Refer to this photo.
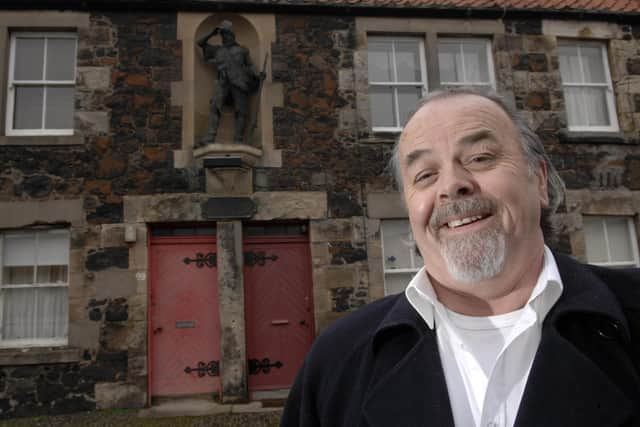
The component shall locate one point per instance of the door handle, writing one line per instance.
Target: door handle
(157, 330)
(280, 322)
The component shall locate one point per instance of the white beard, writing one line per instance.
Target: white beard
(475, 257)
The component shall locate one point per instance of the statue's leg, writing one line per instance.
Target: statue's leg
(241, 105)
(214, 115)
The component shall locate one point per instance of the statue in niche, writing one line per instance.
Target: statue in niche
(237, 80)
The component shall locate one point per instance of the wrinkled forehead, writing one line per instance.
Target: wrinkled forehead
(454, 117)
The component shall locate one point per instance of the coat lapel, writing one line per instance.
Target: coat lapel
(565, 386)
(408, 387)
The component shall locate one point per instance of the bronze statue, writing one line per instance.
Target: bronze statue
(237, 80)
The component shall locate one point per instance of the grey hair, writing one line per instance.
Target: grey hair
(532, 147)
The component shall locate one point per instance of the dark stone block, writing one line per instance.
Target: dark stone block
(636, 101)
(5, 406)
(345, 253)
(24, 372)
(633, 66)
(109, 213)
(535, 62)
(107, 257)
(70, 379)
(72, 404)
(29, 410)
(48, 392)
(35, 186)
(95, 314)
(340, 299)
(342, 205)
(117, 311)
(228, 207)
(524, 27)
(95, 373)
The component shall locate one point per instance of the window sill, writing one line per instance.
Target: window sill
(572, 137)
(39, 355)
(42, 140)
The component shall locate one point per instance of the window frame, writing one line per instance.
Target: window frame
(412, 255)
(32, 342)
(11, 84)
(607, 85)
(489, 55)
(631, 230)
(424, 83)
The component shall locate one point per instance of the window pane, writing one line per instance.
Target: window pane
(592, 63)
(52, 274)
(569, 64)
(28, 108)
(382, 106)
(380, 61)
(619, 239)
(29, 57)
(53, 247)
(396, 283)
(17, 276)
(408, 98)
(18, 319)
(398, 244)
(52, 315)
(408, 61)
(595, 106)
(576, 115)
(449, 61)
(19, 249)
(476, 66)
(61, 59)
(594, 239)
(59, 113)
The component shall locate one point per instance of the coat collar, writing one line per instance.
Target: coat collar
(565, 387)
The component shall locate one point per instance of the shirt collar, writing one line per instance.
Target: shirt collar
(544, 295)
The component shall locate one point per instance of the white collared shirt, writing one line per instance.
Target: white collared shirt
(486, 360)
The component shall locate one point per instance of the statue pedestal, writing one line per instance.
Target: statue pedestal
(228, 168)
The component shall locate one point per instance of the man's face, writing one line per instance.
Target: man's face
(474, 203)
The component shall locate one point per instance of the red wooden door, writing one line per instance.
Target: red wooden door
(184, 344)
(278, 309)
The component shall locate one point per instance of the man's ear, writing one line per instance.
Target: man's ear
(541, 176)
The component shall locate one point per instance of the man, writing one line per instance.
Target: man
(495, 330)
(237, 79)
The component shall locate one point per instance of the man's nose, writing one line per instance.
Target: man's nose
(455, 181)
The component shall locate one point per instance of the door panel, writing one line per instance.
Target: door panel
(278, 309)
(184, 320)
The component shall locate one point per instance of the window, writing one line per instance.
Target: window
(397, 80)
(586, 83)
(611, 241)
(42, 73)
(465, 62)
(401, 258)
(34, 279)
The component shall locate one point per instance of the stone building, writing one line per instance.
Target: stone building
(135, 266)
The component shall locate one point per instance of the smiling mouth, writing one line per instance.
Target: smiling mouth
(455, 223)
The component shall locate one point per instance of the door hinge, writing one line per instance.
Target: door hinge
(257, 366)
(257, 258)
(212, 369)
(210, 260)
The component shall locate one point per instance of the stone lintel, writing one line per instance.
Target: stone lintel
(20, 214)
(233, 360)
(39, 355)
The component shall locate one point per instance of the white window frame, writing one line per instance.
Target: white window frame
(30, 342)
(11, 84)
(489, 55)
(412, 255)
(632, 237)
(395, 84)
(610, 101)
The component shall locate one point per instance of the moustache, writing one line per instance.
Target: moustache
(458, 208)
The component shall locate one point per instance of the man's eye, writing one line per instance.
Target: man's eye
(481, 158)
(423, 176)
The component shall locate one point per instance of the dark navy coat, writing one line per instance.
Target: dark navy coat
(380, 366)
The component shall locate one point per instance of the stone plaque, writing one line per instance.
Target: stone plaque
(228, 208)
